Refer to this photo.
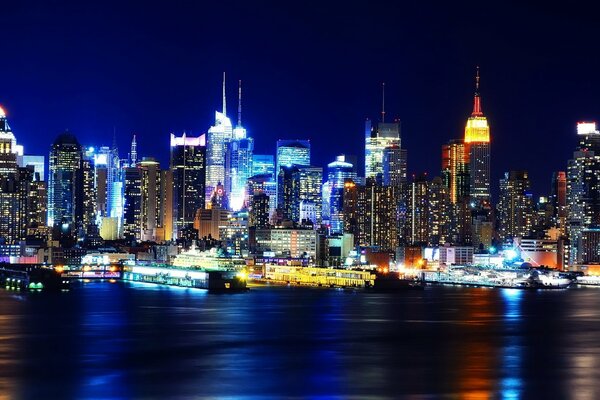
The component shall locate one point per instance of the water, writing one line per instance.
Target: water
(143, 341)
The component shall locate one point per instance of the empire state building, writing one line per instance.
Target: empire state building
(477, 141)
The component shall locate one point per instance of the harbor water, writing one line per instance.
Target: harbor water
(135, 340)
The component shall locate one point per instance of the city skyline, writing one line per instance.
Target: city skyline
(293, 89)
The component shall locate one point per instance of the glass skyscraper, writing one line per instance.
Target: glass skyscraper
(188, 167)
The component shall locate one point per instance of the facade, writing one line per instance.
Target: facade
(259, 210)
(208, 221)
(456, 255)
(188, 169)
(455, 170)
(288, 242)
(263, 164)
(590, 246)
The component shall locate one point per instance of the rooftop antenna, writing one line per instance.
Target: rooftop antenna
(224, 102)
(114, 137)
(240, 103)
(383, 102)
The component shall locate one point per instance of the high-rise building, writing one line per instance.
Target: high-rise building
(151, 217)
(583, 187)
(333, 192)
(132, 210)
(590, 246)
(477, 142)
(188, 162)
(419, 210)
(217, 142)
(259, 210)
(263, 183)
(108, 183)
(15, 188)
(300, 185)
(239, 160)
(68, 202)
(372, 208)
(384, 136)
(394, 166)
(515, 206)
(292, 152)
(455, 170)
(439, 212)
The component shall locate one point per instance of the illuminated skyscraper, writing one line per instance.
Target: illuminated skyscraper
(133, 203)
(477, 142)
(292, 152)
(188, 163)
(419, 210)
(394, 166)
(300, 185)
(376, 211)
(515, 206)
(377, 139)
(440, 212)
(455, 170)
(151, 218)
(238, 161)
(70, 200)
(583, 187)
(333, 192)
(108, 183)
(217, 142)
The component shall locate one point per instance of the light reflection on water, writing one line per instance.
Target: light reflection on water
(129, 341)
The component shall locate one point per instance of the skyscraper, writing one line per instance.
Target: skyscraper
(188, 163)
(377, 208)
(292, 152)
(217, 142)
(151, 217)
(333, 193)
(132, 210)
(477, 142)
(68, 205)
(515, 206)
(455, 170)
(583, 187)
(238, 161)
(377, 139)
(419, 210)
(394, 166)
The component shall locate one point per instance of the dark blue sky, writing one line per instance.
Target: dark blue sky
(310, 70)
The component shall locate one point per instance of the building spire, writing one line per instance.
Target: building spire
(383, 102)
(240, 103)
(477, 112)
(224, 101)
(133, 151)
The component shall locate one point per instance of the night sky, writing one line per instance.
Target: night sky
(309, 70)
